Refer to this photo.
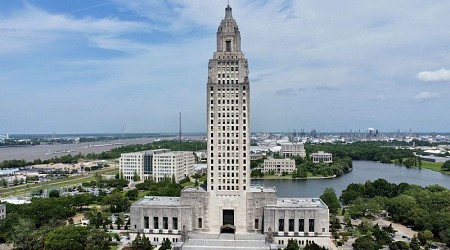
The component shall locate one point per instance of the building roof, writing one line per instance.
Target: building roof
(158, 201)
(198, 189)
(300, 203)
(262, 189)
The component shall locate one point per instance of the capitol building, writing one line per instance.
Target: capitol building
(229, 210)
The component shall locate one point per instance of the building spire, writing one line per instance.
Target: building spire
(228, 11)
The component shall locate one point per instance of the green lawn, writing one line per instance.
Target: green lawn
(435, 166)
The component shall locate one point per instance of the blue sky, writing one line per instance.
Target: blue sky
(90, 66)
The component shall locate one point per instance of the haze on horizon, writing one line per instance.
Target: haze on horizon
(92, 66)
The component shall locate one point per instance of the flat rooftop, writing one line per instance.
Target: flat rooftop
(262, 189)
(158, 201)
(198, 189)
(300, 203)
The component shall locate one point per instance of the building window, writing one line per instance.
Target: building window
(146, 222)
(175, 223)
(301, 225)
(311, 225)
(165, 223)
(228, 43)
(200, 223)
(155, 223)
(256, 224)
(281, 225)
(291, 225)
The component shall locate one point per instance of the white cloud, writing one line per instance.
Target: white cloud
(442, 75)
(426, 96)
(32, 27)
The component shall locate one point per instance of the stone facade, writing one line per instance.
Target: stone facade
(177, 164)
(279, 166)
(157, 165)
(322, 157)
(228, 203)
(293, 149)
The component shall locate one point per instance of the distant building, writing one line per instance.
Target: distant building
(179, 164)
(157, 164)
(279, 166)
(256, 156)
(432, 158)
(140, 163)
(322, 157)
(2, 211)
(293, 150)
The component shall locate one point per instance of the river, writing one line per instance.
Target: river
(362, 171)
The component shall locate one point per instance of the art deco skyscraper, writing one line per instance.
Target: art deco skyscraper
(228, 115)
(228, 112)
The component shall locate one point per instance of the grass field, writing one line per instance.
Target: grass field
(435, 166)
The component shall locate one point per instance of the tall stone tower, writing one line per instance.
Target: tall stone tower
(228, 115)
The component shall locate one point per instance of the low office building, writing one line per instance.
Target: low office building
(293, 150)
(157, 165)
(279, 166)
(322, 157)
(176, 165)
(138, 163)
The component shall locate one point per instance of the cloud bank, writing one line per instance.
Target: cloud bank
(442, 75)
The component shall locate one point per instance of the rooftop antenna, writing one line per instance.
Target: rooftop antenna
(123, 131)
(180, 128)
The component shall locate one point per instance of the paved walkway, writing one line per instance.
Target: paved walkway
(226, 242)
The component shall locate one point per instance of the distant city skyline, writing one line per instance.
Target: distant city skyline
(92, 66)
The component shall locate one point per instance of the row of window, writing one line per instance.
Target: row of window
(228, 62)
(244, 161)
(230, 107)
(165, 223)
(301, 225)
(226, 128)
(228, 188)
(300, 242)
(228, 101)
(225, 68)
(235, 88)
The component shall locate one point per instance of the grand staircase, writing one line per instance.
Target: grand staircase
(225, 241)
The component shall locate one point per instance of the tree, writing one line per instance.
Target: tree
(166, 245)
(136, 177)
(53, 193)
(292, 245)
(141, 243)
(313, 246)
(97, 240)
(330, 198)
(446, 166)
(132, 194)
(119, 222)
(67, 238)
(98, 177)
(398, 245)
(365, 243)
(414, 245)
(425, 236)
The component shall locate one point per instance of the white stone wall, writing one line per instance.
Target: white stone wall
(293, 149)
(279, 166)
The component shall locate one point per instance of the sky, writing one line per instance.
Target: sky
(101, 66)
